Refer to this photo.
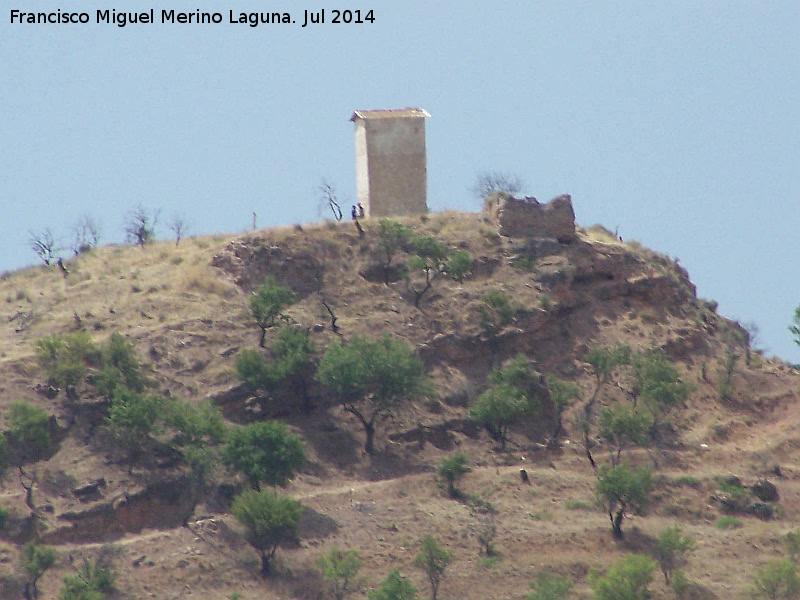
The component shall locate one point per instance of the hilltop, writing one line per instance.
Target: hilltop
(185, 309)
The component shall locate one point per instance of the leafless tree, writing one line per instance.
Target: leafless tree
(140, 226)
(488, 182)
(179, 226)
(44, 244)
(85, 234)
(328, 199)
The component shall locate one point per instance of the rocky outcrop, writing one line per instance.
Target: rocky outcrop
(163, 504)
(249, 261)
(526, 217)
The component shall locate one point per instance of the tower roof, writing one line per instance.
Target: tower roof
(391, 113)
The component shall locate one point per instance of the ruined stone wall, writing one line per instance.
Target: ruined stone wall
(526, 217)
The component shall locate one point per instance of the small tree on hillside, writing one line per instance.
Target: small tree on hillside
(603, 362)
(561, 395)
(391, 238)
(622, 489)
(433, 559)
(93, 581)
(328, 199)
(495, 312)
(64, 359)
(140, 226)
(457, 265)
(85, 234)
(269, 519)
(35, 560)
(120, 367)
(657, 381)
(549, 587)
(777, 580)
(199, 425)
(370, 378)
(429, 258)
(394, 587)
(339, 569)
(292, 366)
(265, 452)
(512, 394)
(293, 363)
(254, 371)
(133, 417)
(672, 551)
(791, 541)
(622, 425)
(627, 579)
(179, 226)
(28, 427)
(267, 304)
(489, 182)
(794, 328)
(452, 469)
(44, 244)
(5, 455)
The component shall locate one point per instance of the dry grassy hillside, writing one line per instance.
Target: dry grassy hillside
(186, 310)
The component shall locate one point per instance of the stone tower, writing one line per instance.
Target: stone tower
(391, 167)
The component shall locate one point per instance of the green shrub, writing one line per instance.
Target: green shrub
(732, 488)
(267, 304)
(195, 425)
(458, 265)
(35, 560)
(688, 481)
(27, 424)
(621, 489)
(622, 425)
(672, 551)
(269, 519)
(562, 393)
(627, 579)
(134, 416)
(253, 371)
(791, 542)
(119, 354)
(511, 395)
(5, 453)
(429, 259)
(604, 360)
(94, 581)
(391, 237)
(370, 378)
(64, 359)
(577, 505)
(451, 469)
(496, 312)
(728, 522)
(657, 381)
(681, 585)
(292, 364)
(549, 587)
(725, 373)
(339, 569)
(265, 452)
(433, 559)
(394, 587)
(777, 580)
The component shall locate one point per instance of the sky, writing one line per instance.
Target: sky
(677, 123)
